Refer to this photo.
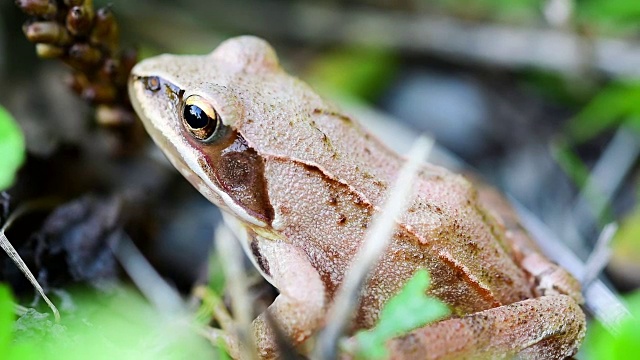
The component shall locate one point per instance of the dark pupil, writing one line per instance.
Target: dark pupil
(195, 117)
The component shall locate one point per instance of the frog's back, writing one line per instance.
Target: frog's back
(332, 175)
(470, 267)
(443, 230)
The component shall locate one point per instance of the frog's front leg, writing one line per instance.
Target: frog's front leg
(298, 310)
(548, 327)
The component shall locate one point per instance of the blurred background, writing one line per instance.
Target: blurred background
(539, 97)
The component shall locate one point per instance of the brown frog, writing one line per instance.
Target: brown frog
(298, 181)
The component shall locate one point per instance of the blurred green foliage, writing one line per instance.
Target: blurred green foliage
(615, 17)
(125, 326)
(609, 16)
(353, 73)
(8, 348)
(615, 105)
(626, 243)
(217, 280)
(571, 163)
(517, 11)
(568, 91)
(12, 148)
(602, 344)
(120, 325)
(410, 309)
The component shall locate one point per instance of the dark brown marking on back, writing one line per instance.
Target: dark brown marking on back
(412, 248)
(340, 116)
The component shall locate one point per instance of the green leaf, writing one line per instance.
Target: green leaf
(410, 309)
(614, 105)
(601, 344)
(12, 149)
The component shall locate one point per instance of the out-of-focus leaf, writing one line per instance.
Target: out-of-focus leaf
(216, 275)
(571, 164)
(12, 148)
(560, 89)
(614, 105)
(601, 344)
(222, 353)
(411, 308)
(514, 11)
(359, 73)
(627, 238)
(117, 325)
(625, 258)
(6, 319)
(8, 349)
(614, 15)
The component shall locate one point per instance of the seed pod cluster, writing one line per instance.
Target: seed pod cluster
(87, 40)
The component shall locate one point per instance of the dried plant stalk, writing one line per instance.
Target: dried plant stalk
(8, 248)
(376, 240)
(87, 40)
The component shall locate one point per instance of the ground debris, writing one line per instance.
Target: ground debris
(74, 243)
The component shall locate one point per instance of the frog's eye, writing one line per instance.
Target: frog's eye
(200, 118)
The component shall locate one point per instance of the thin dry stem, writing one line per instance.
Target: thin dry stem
(146, 278)
(602, 302)
(600, 255)
(376, 240)
(237, 283)
(604, 181)
(13, 254)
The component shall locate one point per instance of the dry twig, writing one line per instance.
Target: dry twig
(376, 240)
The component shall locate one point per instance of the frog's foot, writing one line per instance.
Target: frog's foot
(550, 278)
(549, 327)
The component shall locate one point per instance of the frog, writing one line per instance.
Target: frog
(298, 181)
